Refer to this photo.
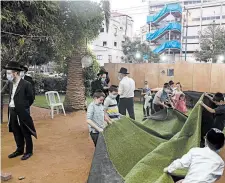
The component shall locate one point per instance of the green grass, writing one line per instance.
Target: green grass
(40, 101)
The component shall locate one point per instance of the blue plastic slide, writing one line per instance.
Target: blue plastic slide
(170, 8)
(173, 26)
(167, 45)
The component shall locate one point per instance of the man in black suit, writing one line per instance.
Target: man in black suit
(99, 83)
(20, 122)
(29, 79)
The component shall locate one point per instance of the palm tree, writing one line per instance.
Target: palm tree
(75, 93)
(107, 12)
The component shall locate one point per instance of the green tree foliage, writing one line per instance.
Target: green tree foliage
(132, 48)
(26, 31)
(212, 44)
(36, 32)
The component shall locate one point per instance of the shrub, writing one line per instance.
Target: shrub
(44, 84)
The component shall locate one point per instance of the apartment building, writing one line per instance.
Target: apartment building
(182, 25)
(108, 45)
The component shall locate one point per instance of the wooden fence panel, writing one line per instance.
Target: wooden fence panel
(183, 73)
(163, 78)
(201, 77)
(217, 78)
(137, 72)
(152, 75)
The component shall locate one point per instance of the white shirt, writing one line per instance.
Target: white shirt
(126, 87)
(15, 85)
(205, 165)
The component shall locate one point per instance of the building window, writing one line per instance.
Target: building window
(195, 19)
(115, 33)
(104, 43)
(170, 72)
(123, 42)
(115, 44)
(110, 58)
(191, 37)
(99, 57)
(102, 30)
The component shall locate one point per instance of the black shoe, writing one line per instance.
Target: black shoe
(26, 156)
(15, 154)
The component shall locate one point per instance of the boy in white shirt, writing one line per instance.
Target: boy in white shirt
(205, 165)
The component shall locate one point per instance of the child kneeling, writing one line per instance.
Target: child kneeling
(205, 164)
(96, 116)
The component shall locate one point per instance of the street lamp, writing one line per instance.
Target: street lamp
(138, 55)
(221, 58)
(163, 58)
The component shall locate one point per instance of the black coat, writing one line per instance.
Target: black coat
(29, 79)
(96, 85)
(23, 99)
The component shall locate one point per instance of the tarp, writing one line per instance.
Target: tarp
(160, 32)
(168, 45)
(170, 8)
(132, 152)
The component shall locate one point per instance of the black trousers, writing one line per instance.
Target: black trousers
(21, 133)
(157, 108)
(94, 137)
(127, 104)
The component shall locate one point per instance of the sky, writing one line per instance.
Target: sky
(136, 9)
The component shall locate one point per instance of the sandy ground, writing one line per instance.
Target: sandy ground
(63, 151)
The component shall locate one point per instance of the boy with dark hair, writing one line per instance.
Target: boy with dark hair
(98, 84)
(161, 98)
(96, 116)
(219, 112)
(110, 104)
(204, 164)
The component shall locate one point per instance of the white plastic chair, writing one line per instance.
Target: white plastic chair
(54, 101)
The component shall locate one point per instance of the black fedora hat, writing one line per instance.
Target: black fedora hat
(102, 72)
(123, 70)
(13, 66)
(25, 68)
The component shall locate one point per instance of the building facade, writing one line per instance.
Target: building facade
(108, 45)
(184, 27)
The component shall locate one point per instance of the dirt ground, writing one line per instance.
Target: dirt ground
(63, 151)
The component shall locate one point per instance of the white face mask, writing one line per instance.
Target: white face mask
(10, 77)
(112, 96)
(22, 74)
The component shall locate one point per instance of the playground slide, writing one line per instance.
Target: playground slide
(167, 45)
(173, 26)
(174, 9)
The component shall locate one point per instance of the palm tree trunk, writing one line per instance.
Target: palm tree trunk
(75, 93)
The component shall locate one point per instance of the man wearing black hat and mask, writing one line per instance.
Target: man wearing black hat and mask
(126, 92)
(99, 83)
(29, 79)
(20, 122)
